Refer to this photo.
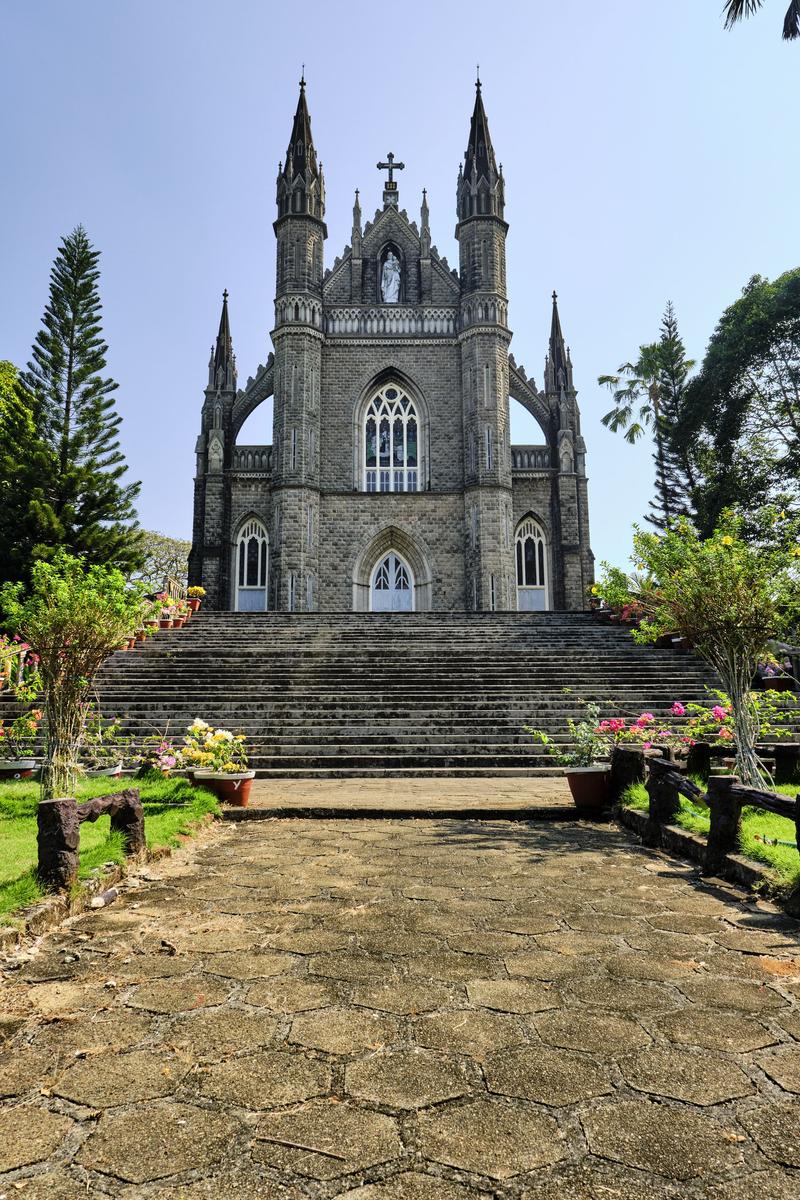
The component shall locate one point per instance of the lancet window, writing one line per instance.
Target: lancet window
(531, 552)
(251, 566)
(391, 442)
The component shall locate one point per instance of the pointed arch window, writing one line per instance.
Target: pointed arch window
(251, 566)
(391, 442)
(531, 558)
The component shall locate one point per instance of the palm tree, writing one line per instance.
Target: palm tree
(636, 389)
(737, 10)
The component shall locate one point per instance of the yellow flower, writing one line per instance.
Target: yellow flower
(727, 540)
(796, 552)
(595, 591)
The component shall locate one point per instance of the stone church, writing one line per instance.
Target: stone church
(391, 483)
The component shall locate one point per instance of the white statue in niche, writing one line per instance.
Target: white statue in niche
(390, 279)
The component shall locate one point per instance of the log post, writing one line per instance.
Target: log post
(127, 816)
(57, 839)
(726, 815)
(627, 768)
(664, 801)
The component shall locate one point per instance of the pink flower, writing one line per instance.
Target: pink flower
(725, 734)
(719, 713)
(645, 719)
(648, 745)
(678, 710)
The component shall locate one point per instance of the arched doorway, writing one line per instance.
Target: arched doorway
(531, 557)
(392, 585)
(251, 567)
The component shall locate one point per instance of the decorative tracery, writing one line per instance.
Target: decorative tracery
(391, 442)
(531, 555)
(252, 554)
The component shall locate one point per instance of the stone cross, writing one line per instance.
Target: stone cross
(390, 187)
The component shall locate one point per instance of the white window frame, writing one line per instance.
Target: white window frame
(391, 403)
(401, 563)
(533, 586)
(252, 527)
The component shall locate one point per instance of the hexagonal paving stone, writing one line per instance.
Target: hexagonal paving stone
(544, 964)
(413, 1186)
(597, 1033)
(405, 995)
(114, 1030)
(451, 967)
(608, 1182)
(776, 1130)
(309, 941)
(136, 968)
(344, 1031)
(213, 1033)
(292, 995)
(406, 1079)
(243, 964)
(512, 995)
(490, 1138)
(213, 941)
(179, 995)
(468, 1031)
(24, 1068)
(697, 1078)
(790, 1021)
(105, 1080)
(156, 1139)
(238, 1183)
(734, 1033)
(621, 995)
(669, 1141)
(567, 942)
(737, 994)
(759, 1185)
(652, 967)
(553, 1077)
(347, 965)
(29, 1135)
(322, 1140)
(57, 1185)
(266, 1078)
(784, 1067)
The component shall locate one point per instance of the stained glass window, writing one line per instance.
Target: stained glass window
(391, 442)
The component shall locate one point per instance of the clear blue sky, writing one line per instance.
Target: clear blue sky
(649, 155)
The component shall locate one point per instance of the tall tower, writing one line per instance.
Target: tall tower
(484, 337)
(297, 336)
(574, 569)
(208, 562)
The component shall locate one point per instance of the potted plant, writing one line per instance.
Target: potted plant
(180, 614)
(103, 747)
(16, 743)
(195, 596)
(218, 760)
(588, 776)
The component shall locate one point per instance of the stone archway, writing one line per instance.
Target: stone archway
(388, 540)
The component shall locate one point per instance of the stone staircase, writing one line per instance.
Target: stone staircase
(412, 694)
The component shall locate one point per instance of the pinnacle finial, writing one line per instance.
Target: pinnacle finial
(225, 296)
(303, 77)
(555, 296)
(478, 77)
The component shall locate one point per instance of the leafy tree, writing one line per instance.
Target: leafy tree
(742, 411)
(730, 598)
(163, 558)
(84, 506)
(648, 395)
(74, 616)
(736, 10)
(24, 462)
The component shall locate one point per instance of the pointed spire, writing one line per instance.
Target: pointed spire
(300, 172)
(223, 366)
(480, 184)
(424, 226)
(558, 366)
(355, 240)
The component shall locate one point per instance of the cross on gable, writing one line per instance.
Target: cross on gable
(390, 165)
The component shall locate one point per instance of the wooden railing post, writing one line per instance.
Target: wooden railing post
(726, 815)
(664, 800)
(627, 768)
(57, 839)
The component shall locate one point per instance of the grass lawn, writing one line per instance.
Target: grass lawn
(172, 807)
(784, 860)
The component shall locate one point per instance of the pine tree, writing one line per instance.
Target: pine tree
(24, 463)
(84, 504)
(675, 470)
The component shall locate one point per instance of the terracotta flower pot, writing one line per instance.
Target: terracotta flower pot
(231, 789)
(141, 636)
(165, 623)
(590, 788)
(178, 622)
(194, 604)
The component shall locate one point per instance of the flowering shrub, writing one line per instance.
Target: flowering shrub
(16, 738)
(213, 749)
(196, 593)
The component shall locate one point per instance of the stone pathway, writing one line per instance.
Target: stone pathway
(410, 1010)
(445, 795)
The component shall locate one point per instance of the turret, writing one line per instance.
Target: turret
(300, 227)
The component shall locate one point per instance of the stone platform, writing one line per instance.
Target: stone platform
(532, 799)
(407, 1010)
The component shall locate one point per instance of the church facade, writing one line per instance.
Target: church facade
(391, 483)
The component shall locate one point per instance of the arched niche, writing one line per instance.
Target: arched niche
(393, 248)
(410, 549)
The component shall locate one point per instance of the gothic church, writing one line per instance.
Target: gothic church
(391, 483)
